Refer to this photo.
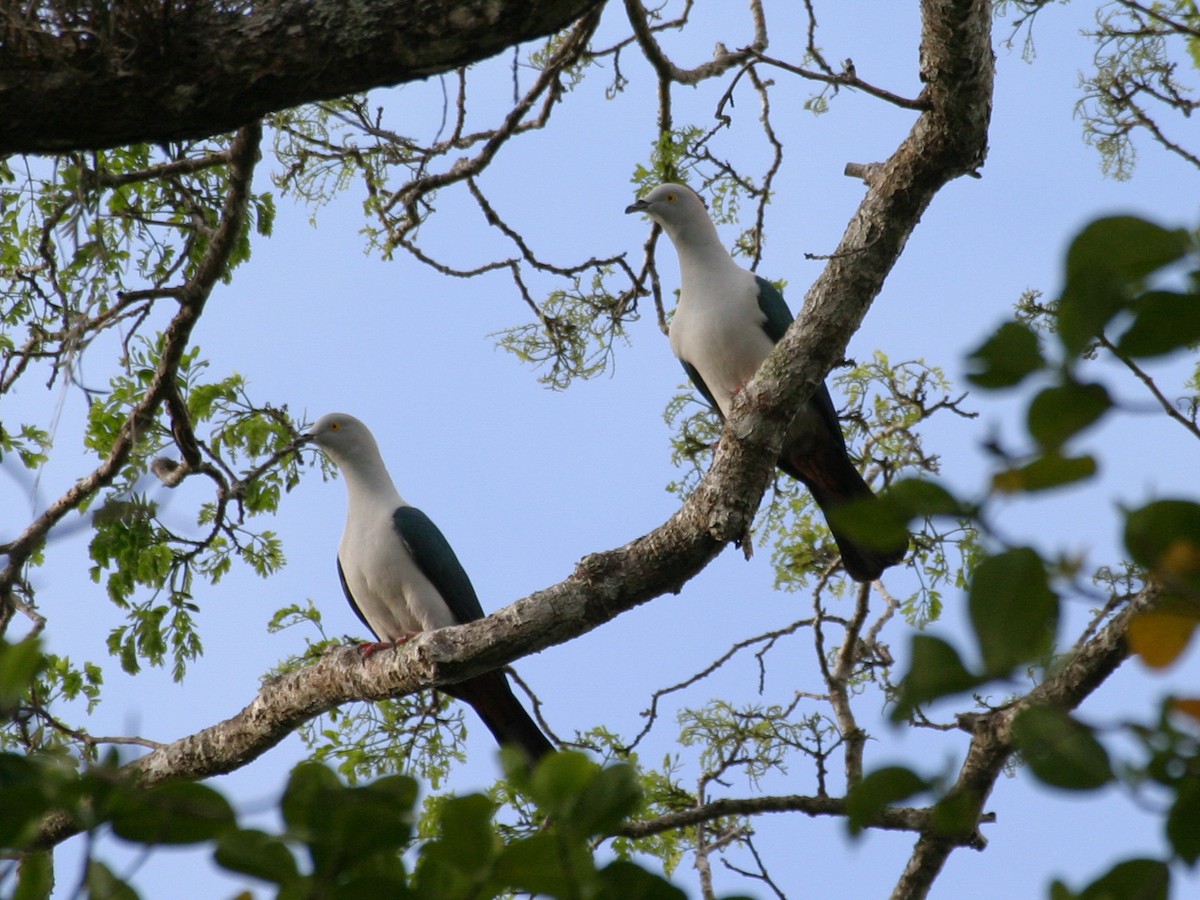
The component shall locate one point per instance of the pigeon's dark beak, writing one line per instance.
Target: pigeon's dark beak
(301, 440)
(636, 206)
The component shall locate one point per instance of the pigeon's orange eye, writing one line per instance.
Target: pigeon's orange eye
(334, 426)
(670, 198)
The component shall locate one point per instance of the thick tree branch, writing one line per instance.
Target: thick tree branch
(95, 74)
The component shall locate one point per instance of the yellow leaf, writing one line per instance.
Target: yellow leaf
(1181, 560)
(1189, 706)
(1160, 636)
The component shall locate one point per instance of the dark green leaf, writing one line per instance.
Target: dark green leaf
(36, 879)
(1049, 471)
(173, 813)
(546, 863)
(1165, 536)
(466, 833)
(1105, 263)
(256, 854)
(582, 798)
(1013, 611)
(1006, 358)
(936, 671)
(607, 801)
(957, 813)
(104, 885)
(1163, 322)
(879, 790)
(1134, 879)
(23, 797)
(19, 665)
(883, 521)
(623, 880)
(1059, 413)
(1060, 751)
(304, 797)
(919, 498)
(1183, 821)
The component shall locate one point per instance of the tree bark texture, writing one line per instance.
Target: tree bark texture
(97, 74)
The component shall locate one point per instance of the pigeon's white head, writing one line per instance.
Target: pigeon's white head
(678, 209)
(343, 437)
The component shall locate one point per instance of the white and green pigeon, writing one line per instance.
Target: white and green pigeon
(724, 326)
(401, 576)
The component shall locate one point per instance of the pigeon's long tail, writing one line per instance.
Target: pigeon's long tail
(834, 481)
(492, 698)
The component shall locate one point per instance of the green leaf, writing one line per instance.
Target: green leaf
(879, 790)
(20, 663)
(1046, 472)
(1060, 751)
(1105, 262)
(957, 813)
(466, 835)
(257, 854)
(582, 798)
(1133, 879)
(1006, 358)
(936, 671)
(104, 885)
(883, 521)
(624, 880)
(1164, 536)
(303, 798)
(1013, 610)
(173, 813)
(26, 794)
(1163, 322)
(545, 863)
(36, 879)
(1059, 413)
(1183, 821)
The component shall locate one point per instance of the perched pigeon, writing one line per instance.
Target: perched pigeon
(726, 323)
(401, 576)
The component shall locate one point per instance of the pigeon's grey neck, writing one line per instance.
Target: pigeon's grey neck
(367, 478)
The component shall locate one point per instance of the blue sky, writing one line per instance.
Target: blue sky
(524, 481)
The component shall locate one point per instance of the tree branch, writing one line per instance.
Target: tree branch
(94, 74)
(991, 745)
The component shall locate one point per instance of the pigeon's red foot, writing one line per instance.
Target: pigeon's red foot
(370, 648)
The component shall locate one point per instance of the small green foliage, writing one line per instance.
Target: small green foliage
(670, 150)
(575, 334)
(29, 443)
